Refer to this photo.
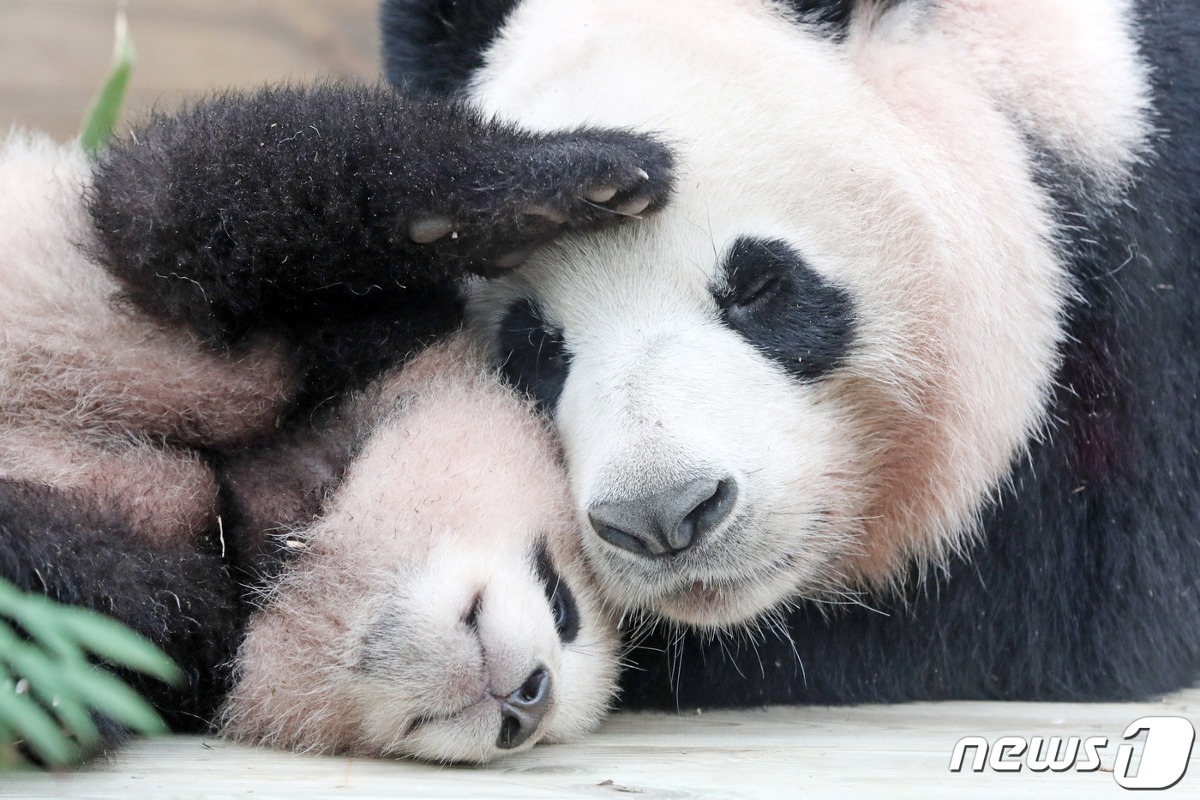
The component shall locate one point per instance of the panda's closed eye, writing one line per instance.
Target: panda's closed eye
(770, 295)
(558, 595)
(753, 292)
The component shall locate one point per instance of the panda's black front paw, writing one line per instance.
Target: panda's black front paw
(532, 193)
(591, 179)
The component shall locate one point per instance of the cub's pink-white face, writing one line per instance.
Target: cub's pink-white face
(812, 369)
(441, 607)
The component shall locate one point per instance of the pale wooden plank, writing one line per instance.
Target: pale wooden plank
(869, 752)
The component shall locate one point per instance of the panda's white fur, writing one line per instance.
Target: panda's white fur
(898, 163)
(416, 604)
(1068, 72)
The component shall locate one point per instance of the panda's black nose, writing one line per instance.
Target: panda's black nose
(666, 522)
(521, 712)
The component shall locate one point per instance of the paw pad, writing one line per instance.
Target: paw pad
(429, 229)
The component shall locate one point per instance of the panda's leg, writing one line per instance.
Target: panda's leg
(165, 496)
(71, 358)
(294, 204)
(183, 599)
(100, 369)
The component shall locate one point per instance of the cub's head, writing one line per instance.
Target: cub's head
(813, 368)
(441, 607)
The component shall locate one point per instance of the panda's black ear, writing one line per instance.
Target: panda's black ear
(435, 45)
(834, 16)
(832, 13)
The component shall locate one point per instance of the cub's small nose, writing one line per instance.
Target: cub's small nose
(522, 711)
(666, 522)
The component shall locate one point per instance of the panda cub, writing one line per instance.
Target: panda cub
(905, 376)
(208, 286)
(439, 606)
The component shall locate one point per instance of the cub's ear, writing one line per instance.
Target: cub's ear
(435, 45)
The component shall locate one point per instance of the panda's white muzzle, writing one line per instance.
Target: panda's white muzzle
(688, 506)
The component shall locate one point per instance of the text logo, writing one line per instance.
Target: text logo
(1165, 753)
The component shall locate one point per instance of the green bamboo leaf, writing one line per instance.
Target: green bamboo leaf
(61, 688)
(47, 683)
(6, 732)
(109, 696)
(118, 645)
(39, 616)
(102, 118)
(35, 728)
(66, 630)
(73, 715)
(26, 660)
(21, 659)
(10, 756)
(11, 599)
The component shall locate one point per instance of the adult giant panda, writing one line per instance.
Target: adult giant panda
(906, 375)
(225, 272)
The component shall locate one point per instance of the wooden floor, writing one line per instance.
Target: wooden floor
(869, 752)
(54, 53)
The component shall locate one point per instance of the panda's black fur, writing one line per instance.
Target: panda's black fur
(793, 315)
(1086, 582)
(436, 46)
(186, 600)
(286, 213)
(289, 210)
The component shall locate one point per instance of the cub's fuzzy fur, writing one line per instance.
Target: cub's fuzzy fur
(224, 271)
(416, 603)
(909, 364)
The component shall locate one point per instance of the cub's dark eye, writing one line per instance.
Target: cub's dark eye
(558, 595)
(785, 308)
(535, 359)
(559, 607)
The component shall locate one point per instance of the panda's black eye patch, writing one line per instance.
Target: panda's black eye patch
(558, 595)
(535, 359)
(785, 308)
